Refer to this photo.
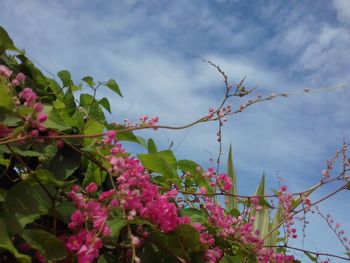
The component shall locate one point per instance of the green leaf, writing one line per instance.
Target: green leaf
(106, 258)
(79, 117)
(69, 102)
(261, 222)
(65, 77)
(92, 127)
(64, 163)
(273, 226)
(89, 81)
(183, 243)
(54, 86)
(86, 99)
(2, 194)
(55, 120)
(75, 87)
(9, 118)
(4, 162)
(113, 86)
(6, 42)
(235, 212)
(38, 80)
(65, 210)
(5, 97)
(189, 238)
(231, 200)
(116, 225)
(152, 147)
(105, 104)
(96, 113)
(163, 162)
(310, 256)
(297, 200)
(232, 259)
(27, 201)
(46, 176)
(194, 214)
(47, 244)
(130, 136)
(6, 243)
(26, 152)
(94, 174)
(191, 167)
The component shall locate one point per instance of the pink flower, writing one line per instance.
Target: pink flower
(224, 181)
(76, 188)
(40, 257)
(20, 77)
(114, 203)
(155, 119)
(105, 195)
(143, 118)
(325, 173)
(41, 117)
(5, 71)
(59, 144)
(213, 255)
(14, 83)
(77, 219)
(74, 242)
(38, 107)
(110, 136)
(34, 133)
(28, 95)
(18, 80)
(4, 131)
(91, 188)
(283, 188)
(135, 240)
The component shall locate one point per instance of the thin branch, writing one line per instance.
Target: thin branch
(300, 210)
(317, 254)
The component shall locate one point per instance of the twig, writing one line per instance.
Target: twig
(317, 254)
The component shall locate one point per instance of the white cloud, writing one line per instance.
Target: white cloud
(326, 55)
(148, 48)
(342, 8)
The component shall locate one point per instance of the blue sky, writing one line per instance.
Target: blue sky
(151, 48)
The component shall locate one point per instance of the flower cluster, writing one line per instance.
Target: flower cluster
(339, 232)
(144, 121)
(235, 229)
(345, 162)
(137, 194)
(219, 113)
(4, 71)
(89, 221)
(34, 118)
(285, 201)
(34, 121)
(222, 181)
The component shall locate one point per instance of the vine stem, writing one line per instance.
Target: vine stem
(8, 140)
(317, 254)
(300, 210)
(313, 188)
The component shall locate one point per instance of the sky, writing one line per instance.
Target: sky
(151, 49)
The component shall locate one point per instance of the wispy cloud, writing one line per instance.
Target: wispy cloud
(150, 48)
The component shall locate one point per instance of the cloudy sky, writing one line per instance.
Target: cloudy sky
(151, 48)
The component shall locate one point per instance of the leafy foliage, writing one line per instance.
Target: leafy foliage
(69, 191)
